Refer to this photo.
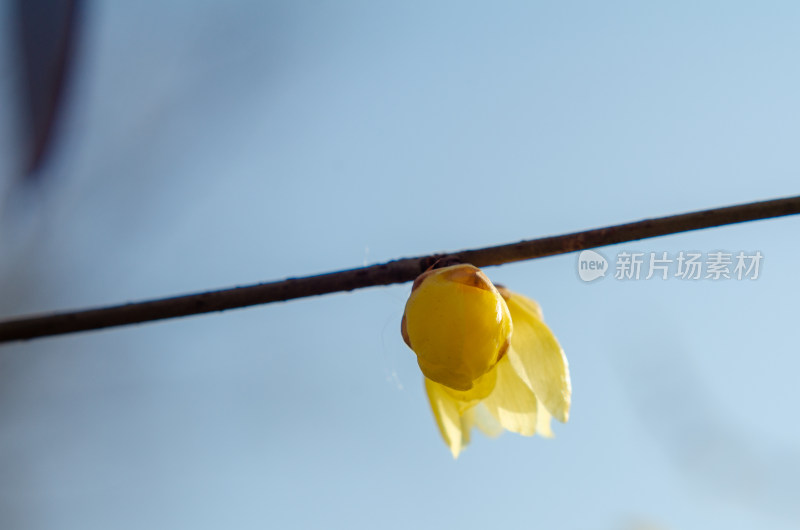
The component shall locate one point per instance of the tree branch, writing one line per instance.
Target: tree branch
(398, 271)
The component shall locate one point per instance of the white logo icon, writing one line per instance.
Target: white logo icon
(591, 265)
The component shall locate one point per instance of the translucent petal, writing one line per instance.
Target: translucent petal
(543, 422)
(538, 358)
(486, 422)
(446, 411)
(525, 302)
(512, 402)
(467, 422)
(457, 323)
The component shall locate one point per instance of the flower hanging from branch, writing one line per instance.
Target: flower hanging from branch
(487, 356)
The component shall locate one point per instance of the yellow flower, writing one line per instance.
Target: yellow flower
(487, 356)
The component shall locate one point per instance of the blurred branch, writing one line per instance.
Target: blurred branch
(47, 31)
(397, 271)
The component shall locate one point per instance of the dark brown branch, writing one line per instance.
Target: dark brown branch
(397, 271)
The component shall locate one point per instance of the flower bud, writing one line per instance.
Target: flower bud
(458, 325)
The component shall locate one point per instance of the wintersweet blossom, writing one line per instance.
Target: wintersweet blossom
(487, 356)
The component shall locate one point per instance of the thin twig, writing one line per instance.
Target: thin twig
(397, 271)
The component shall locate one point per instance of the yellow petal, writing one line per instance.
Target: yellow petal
(457, 323)
(529, 305)
(482, 387)
(512, 402)
(486, 422)
(467, 422)
(543, 422)
(445, 410)
(538, 358)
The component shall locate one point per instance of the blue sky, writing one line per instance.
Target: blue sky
(210, 144)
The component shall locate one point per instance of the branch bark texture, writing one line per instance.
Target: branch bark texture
(397, 271)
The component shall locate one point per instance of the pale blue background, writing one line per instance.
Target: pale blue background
(209, 144)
